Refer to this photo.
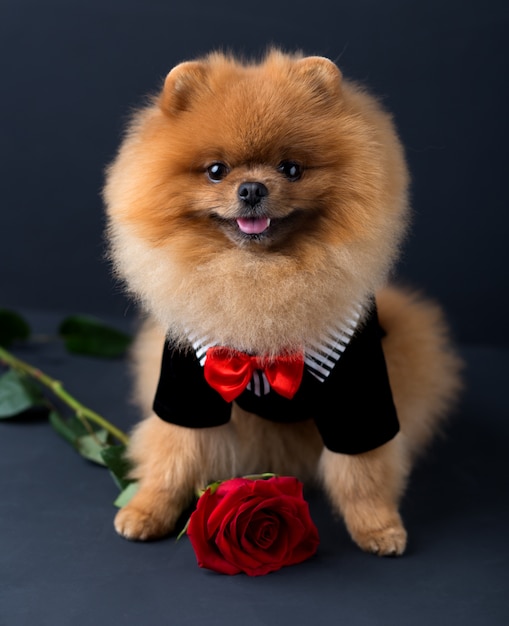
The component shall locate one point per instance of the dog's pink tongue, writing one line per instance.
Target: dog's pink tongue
(253, 226)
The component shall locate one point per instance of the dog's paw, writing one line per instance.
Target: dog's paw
(389, 541)
(137, 524)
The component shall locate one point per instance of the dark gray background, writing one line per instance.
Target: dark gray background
(73, 70)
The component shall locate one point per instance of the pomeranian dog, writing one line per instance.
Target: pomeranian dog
(255, 211)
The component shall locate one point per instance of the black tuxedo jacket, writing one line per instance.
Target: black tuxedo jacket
(353, 407)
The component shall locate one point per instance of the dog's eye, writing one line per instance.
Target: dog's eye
(217, 171)
(291, 169)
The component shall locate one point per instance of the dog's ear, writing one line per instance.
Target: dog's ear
(182, 85)
(320, 74)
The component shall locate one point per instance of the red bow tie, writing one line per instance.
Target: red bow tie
(229, 372)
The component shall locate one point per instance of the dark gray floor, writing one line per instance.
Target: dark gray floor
(61, 562)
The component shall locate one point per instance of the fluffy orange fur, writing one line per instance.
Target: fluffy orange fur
(335, 233)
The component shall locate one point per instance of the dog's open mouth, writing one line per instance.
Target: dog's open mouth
(259, 229)
(253, 225)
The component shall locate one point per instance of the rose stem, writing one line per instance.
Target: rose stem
(82, 412)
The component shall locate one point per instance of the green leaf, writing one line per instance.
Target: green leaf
(17, 394)
(91, 446)
(71, 429)
(89, 336)
(126, 495)
(12, 327)
(119, 466)
(62, 427)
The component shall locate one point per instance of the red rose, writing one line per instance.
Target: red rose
(252, 526)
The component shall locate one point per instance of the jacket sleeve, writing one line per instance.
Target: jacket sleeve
(183, 396)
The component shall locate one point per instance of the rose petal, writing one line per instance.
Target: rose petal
(250, 551)
(225, 509)
(275, 555)
(297, 528)
(287, 485)
(264, 532)
(235, 485)
(230, 544)
(204, 548)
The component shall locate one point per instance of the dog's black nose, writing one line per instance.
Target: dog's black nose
(252, 193)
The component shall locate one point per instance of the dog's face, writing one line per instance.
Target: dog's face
(262, 161)
(259, 156)
(257, 175)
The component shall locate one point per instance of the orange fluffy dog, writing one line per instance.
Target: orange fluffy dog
(255, 211)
